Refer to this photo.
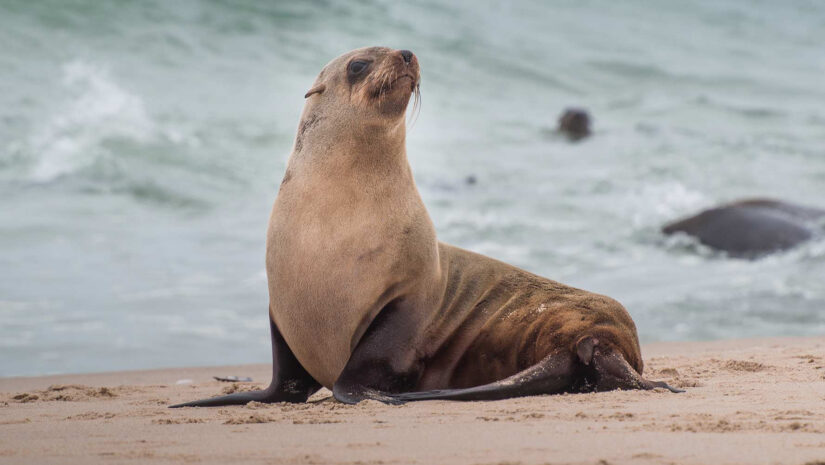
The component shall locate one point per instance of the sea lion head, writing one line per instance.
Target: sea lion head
(368, 84)
(575, 123)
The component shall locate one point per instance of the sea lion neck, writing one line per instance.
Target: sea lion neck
(371, 148)
(379, 143)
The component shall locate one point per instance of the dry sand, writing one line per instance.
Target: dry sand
(747, 402)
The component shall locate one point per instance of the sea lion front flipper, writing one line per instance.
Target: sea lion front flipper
(379, 365)
(550, 376)
(290, 381)
(613, 372)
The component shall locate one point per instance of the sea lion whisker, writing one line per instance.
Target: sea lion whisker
(416, 109)
(381, 91)
(385, 81)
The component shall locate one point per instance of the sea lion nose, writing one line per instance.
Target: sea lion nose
(406, 55)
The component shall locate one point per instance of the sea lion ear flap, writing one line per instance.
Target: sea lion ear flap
(316, 90)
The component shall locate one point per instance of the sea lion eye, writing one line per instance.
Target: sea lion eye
(356, 67)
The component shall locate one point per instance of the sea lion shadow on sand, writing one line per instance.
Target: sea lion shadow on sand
(752, 228)
(365, 300)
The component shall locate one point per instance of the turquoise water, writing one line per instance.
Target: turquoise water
(142, 143)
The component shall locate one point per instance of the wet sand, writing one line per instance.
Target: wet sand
(747, 402)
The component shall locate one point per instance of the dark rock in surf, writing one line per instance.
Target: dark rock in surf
(751, 228)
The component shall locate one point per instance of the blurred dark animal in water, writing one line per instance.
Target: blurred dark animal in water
(751, 228)
(575, 123)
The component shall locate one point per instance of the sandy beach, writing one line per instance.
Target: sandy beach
(758, 401)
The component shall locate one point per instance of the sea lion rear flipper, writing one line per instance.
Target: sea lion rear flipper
(613, 372)
(552, 375)
(290, 381)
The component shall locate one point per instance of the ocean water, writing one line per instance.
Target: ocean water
(142, 143)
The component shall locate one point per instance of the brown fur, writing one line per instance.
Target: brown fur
(500, 320)
(349, 235)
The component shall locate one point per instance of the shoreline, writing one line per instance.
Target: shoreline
(754, 401)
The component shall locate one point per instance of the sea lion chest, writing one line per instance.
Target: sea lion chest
(337, 253)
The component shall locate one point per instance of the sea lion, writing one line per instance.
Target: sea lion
(751, 228)
(364, 299)
(574, 123)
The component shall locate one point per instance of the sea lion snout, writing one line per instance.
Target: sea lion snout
(407, 66)
(378, 78)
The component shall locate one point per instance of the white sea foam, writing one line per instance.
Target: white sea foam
(97, 109)
(651, 204)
